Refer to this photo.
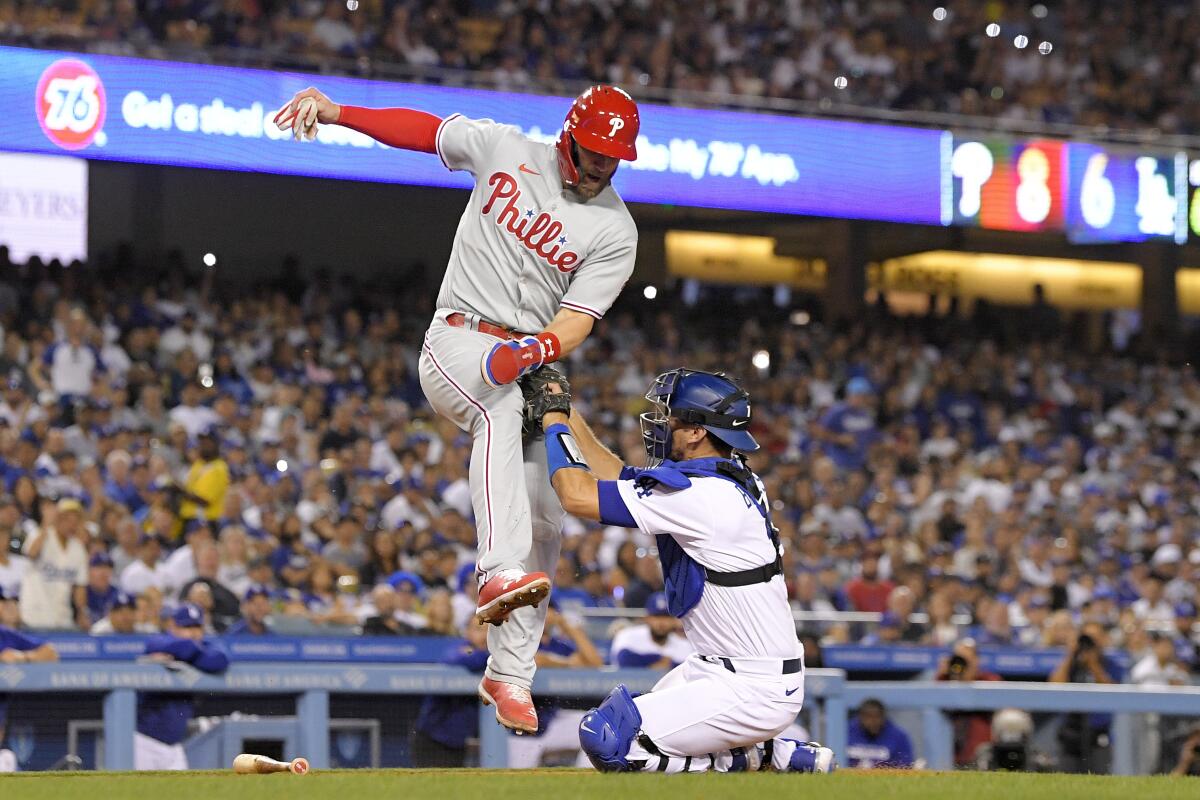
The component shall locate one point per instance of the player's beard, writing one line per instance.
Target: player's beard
(591, 185)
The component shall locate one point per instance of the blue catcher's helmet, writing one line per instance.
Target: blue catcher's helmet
(708, 399)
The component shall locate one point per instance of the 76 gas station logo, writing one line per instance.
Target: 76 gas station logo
(70, 103)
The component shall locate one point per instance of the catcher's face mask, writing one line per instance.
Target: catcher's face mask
(656, 424)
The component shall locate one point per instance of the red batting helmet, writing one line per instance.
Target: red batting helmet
(604, 119)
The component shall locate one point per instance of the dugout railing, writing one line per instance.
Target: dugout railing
(311, 686)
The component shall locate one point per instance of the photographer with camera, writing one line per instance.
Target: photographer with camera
(1009, 749)
(972, 729)
(1084, 737)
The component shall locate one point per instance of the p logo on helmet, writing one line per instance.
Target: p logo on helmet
(604, 119)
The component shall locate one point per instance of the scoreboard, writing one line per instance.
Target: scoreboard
(1093, 193)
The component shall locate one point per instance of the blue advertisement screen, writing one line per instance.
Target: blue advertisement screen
(159, 112)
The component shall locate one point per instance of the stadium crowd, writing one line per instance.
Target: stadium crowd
(269, 456)
(1110, 64)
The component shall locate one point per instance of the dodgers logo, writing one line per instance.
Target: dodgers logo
(541, 234)
(70, 103)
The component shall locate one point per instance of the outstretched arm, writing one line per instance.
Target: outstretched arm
(396, 127)
(604, 463)
(576, 487)
(571, 328)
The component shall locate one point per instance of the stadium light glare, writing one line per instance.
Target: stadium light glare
(1021, 42)
(992, 30)
(761, 360)
(1044, 48)
(650, 292)
(210, 260)
(939, 13)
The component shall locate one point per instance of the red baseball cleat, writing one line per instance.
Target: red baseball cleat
(514, 705)
(509, 590)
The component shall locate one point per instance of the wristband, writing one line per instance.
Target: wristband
(561, 450)
(551, 348)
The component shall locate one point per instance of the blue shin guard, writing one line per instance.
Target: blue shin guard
(606, 732)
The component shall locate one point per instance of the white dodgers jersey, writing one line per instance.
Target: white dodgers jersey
(525, 245)
(720, 528)
(635, 646)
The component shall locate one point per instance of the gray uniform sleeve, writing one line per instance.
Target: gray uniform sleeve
(602, 275)
(464, 143)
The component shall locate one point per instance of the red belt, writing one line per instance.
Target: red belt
(459, 320)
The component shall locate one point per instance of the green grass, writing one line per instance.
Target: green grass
(568, 784)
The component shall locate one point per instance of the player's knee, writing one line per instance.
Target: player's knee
(547, 529)
(606, 732)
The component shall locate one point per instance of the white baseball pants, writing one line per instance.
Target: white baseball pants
(701, 717)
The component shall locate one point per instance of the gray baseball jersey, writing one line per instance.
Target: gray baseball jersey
(525, 246)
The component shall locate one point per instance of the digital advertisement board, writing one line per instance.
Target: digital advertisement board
(159, 112)
(43, 206)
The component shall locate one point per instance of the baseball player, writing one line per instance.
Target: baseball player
(541, 252)
(725, 707)
(162, 719)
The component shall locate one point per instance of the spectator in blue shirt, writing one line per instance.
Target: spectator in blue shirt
(446, 722)
(100, 591)
(848, 428)
(567, 593)
(591, 580)
(256, 607)
(873, 740)
(962, 405)
(120, 486)
(18, 648)
(162, 719)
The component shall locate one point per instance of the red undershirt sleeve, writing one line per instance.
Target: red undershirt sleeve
(396, 127)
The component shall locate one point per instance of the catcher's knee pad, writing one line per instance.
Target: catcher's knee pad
(606, 732)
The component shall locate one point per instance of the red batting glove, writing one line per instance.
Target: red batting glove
(507, 361)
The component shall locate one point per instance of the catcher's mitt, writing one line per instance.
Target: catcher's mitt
(539, 400)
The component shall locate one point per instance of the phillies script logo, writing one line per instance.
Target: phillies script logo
(70, 103)
(541, 233)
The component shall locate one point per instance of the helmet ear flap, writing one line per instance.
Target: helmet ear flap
(568, 158)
